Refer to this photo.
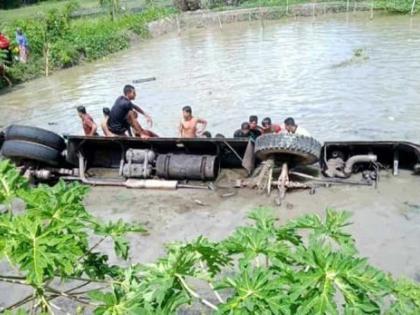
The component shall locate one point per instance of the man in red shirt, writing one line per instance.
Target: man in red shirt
(268, 127)
(88, 124)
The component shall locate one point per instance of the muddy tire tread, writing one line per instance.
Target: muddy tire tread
(299, 149)
(17, 150)
(36, 135)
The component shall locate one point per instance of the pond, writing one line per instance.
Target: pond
(341, 76)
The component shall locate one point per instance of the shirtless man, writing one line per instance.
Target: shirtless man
(188, 128)
(144, 132)
(104, 124)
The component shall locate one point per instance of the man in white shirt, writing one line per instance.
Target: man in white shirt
(290, 127)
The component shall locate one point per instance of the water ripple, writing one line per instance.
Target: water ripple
(302, 68)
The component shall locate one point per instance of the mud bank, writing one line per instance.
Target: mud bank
(207, 18)
(386, 220)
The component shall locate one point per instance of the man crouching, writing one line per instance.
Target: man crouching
(123, 116)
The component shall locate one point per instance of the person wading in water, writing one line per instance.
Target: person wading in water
(268, 127)
(188, 128)
(123, 115)
(89, 126)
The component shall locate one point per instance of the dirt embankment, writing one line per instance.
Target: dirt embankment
(386, 220)
(207, 18)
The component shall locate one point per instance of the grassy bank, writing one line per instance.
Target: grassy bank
(397, 6)
(58, 41)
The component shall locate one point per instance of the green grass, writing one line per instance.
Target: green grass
(86, 6)
(401, 6)
(30, 10)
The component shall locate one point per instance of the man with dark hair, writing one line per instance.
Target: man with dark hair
(253, 122)
(268, 127)
(188, 128)
(89, 126)
(255, 130)
(123, 116)
(206, 134)
(291, 128)
(244, 132)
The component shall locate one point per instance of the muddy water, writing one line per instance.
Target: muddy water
(305, 68)
(301, 67)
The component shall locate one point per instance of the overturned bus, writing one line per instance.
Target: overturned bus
(44, 156)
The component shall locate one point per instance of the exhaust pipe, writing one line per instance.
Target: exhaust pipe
(348, 168)
(131, 183)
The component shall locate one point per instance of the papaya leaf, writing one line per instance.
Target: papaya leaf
(330, 231)
(406, 298)
(263, 218)
(254, 291)
(117, 230)
(11, 182)
(326, 273)
(210, 253)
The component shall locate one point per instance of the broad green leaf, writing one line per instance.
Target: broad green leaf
(11, 182)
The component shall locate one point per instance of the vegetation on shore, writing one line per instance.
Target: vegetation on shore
(392, 6)
(309, 265)
(59, 40)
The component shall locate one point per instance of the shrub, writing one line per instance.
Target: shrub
(309, 265)
(62, 42)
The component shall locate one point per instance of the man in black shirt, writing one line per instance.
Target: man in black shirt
(247, 132)
(122, 116)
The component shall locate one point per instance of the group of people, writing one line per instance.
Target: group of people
(22, 45)
(122, 120)
(251, 129)
(5, 47)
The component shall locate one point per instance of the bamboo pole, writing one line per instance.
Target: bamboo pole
(413, 6)
(47, 61)
(220, 21)
(371, 9)
(313, 9)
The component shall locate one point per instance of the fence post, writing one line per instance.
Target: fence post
(371, 9)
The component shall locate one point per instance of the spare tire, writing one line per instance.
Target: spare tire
(18, 150)
(294, 149)
(34, 134)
